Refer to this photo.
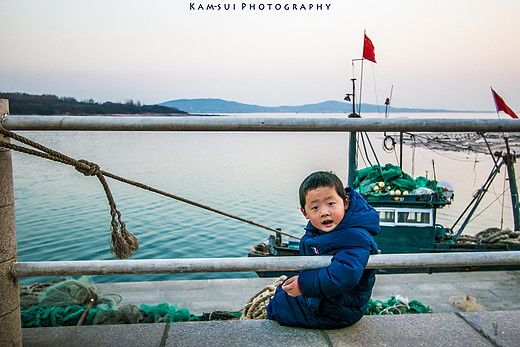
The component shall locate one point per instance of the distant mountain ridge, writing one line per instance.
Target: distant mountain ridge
(331, 106)
(47, 104)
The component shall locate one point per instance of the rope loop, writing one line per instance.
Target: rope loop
(87, 168)
(256, 307)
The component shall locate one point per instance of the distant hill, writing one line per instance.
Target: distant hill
(27, 104)
(223, 106)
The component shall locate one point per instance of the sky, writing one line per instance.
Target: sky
(442, 54)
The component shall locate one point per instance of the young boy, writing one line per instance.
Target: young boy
(341, 224)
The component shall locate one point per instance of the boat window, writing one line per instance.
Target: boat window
(405, 217)
(415, 217)
(387, 216)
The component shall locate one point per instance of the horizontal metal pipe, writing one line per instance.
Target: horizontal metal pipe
(193, 265)
(237, 123)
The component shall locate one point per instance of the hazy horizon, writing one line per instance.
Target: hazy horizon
(436, 55)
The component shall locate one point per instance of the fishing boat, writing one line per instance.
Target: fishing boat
(408, 208)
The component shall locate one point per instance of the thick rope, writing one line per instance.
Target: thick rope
(90, 169)
(122, 243)
(256, 307)
(492, 235)
(193, 203)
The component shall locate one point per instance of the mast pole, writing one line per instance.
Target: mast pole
(353, 96)
(401, 140)
(361, 86)
(361, 78)
(509, 159)
(352, 159)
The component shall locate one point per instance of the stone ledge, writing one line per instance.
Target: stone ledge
(441, 329)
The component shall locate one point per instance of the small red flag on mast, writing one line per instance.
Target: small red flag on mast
(368, 50)
(501, 105)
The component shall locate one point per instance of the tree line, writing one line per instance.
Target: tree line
(27, 104)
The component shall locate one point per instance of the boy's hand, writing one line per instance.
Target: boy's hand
(291, 286)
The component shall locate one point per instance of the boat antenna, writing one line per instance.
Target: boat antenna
(401, 139)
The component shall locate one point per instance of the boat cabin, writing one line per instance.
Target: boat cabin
(408, 222)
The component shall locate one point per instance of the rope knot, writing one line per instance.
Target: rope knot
(87, 168)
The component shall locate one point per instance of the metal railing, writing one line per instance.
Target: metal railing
(267, 124)
(193, 265)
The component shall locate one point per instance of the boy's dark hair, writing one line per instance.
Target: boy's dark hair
(321, 179)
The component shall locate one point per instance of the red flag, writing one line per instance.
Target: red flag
(368, 50)
(501, 105)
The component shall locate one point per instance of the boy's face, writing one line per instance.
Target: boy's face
(324, 208)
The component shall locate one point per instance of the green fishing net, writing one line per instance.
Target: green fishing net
(164, 313)
(55, 316)
(396, 305)
(126, 314)
(63, 301)
(68, 292)
(393, 178)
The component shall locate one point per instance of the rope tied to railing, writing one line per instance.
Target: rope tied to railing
(122, 243)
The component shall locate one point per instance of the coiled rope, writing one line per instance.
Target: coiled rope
(122, 243)
(256, 307)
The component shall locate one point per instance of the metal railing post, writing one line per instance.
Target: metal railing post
(10, 321)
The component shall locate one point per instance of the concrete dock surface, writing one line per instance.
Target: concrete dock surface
(496, 293)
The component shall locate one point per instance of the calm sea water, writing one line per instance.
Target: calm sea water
(63, 215)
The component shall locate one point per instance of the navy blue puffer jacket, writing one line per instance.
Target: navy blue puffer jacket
(337, 295)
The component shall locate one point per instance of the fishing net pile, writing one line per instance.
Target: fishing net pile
(396, 305)
(368, 181)
(65, 301)
(492, 235)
